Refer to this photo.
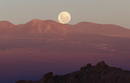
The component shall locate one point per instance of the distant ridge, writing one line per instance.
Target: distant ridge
(5, 26)
(49, 27)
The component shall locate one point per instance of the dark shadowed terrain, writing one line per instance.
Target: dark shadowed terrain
(99, 73)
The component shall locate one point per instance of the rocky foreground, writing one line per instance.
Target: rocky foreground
(99, 73)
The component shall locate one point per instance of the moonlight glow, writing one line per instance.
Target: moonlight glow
(64, 17)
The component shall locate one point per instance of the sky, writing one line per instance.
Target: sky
(99, 11)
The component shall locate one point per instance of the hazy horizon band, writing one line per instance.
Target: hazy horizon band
(100, 11)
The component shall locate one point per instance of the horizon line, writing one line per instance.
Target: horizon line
(35, 19)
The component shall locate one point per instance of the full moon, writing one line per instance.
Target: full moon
(64, 17)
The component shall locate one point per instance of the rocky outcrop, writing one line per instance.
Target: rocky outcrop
(99, 73)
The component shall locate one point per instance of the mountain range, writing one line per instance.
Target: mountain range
(49, 27)
(99, 73)
(38, 46)
(82, 38)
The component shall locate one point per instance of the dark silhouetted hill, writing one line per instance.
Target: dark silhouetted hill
(99, 73)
